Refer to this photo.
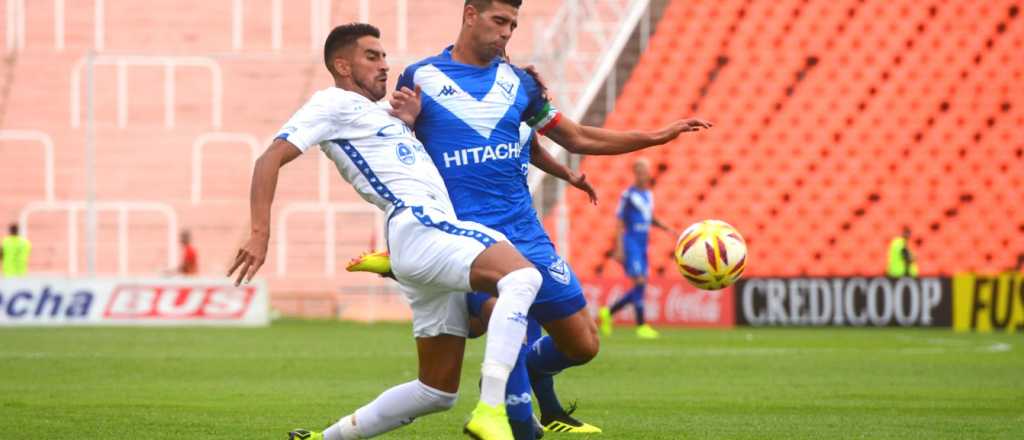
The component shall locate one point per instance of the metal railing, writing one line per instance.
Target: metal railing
(46, 142)
(580, 47)
(15, 25)
(197, 155)
(122, 209)
(329, 210)
(169, 63)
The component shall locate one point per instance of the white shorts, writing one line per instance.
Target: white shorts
(432, 252)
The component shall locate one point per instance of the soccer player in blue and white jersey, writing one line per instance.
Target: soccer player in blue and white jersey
(518, 400)
(473, 105)
(435, 256)
(636, 216)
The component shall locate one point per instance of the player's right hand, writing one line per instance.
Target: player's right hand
(250, 258)
(406, 105)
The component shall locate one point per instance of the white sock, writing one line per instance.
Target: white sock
(506, 330)
(345, 429)
(394, 408)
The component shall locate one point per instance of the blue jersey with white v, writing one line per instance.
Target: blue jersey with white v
(470, 124)
(636, 211)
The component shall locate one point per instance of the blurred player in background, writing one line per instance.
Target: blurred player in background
(635, 218)
(189, 257)
(14, 253)
(901, 260)
(436, 257)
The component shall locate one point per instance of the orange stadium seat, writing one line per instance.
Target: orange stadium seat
(838, 123)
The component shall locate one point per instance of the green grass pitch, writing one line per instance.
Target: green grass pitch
(170, 383)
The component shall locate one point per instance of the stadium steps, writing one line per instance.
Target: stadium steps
(819, 163)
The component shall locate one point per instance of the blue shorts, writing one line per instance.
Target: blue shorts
(540, 312)
(635, 261)
(560, 295)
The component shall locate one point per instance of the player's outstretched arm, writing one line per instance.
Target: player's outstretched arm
(660, 225)
(264, 183)
(547, 163)
(582, 139)
(619, 253)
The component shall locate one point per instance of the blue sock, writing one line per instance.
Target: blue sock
(544, 361)
(543, 384)
(625, 300)
(517, 391)
(533, 332)
(638, 303)
(544, 390)
(522, 429)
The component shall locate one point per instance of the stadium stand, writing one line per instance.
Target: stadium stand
(264, 68)
(837, 124)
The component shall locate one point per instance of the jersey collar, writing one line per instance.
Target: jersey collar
(447, 55)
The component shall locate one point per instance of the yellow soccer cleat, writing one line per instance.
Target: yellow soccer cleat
(605, 315)
(488, 423)
(304, 434)
(564, 422)
(378, 262)
(647, 332)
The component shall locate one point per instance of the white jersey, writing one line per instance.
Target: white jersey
(374, 151)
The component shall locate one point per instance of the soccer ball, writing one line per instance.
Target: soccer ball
(711, 254)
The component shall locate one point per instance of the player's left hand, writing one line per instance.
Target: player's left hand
(532, 70)
(580, 182)
(681, 126)
(406, 105)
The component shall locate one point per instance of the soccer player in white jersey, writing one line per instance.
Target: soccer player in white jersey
(435, 256)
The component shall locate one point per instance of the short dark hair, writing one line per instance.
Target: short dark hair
(483, 5)
(344, 36)
(13, 229)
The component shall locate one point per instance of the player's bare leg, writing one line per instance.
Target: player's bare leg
(440, 361)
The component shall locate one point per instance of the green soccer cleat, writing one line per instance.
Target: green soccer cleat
(647, 332)
(488, 423)
(605, 314)
(304, 434)
(564, 422)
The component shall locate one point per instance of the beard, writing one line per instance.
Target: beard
(377, 90)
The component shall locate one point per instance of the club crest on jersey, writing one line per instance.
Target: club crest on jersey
(559, 271)
(405, 154)
(506, 86)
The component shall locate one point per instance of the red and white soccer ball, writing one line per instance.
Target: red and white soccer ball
(711, 254)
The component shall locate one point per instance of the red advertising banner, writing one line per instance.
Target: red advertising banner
(668, 302)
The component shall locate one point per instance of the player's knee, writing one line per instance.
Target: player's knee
(585, 349)
(590, 349)
(435, 400)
